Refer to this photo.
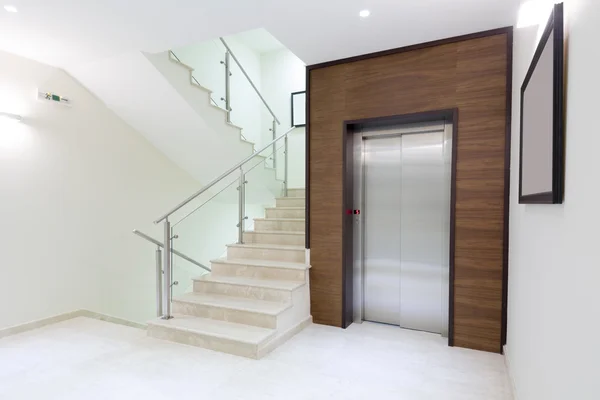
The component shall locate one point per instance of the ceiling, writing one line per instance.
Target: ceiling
(68, 33)
(259, 40)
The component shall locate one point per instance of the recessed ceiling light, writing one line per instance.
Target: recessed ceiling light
(12, 9)
(364, 13)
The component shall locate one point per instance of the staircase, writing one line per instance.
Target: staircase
(254, 299)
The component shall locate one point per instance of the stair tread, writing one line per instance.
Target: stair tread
(180, 63)
(287, 208)
(262, 263)
(212, 327)
(277, 232)
(246, 281)
(280, 219)
(236, 303)
(266, 246)
(199, 86)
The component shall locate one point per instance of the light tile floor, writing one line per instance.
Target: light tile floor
(85, 358)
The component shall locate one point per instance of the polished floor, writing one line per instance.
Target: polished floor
(84, 358)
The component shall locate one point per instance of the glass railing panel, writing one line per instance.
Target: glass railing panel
(262, 188)
(208, 61)
(202, 230)
(246, 106)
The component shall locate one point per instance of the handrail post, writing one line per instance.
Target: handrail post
(159, 273)
(242, 206)
(248, 78)
(166, 295)
(285, 166)
(228, 85)
(274, 129)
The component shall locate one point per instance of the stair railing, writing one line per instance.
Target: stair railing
(240, 168)
(227, 98)
(160, 272)
(229, 54)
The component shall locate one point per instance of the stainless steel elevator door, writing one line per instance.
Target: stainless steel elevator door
(406, 229)
(423, 207)
(381, 231)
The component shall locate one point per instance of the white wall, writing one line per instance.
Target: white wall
(282, 74)
(246, 105)
(554, 268)
(75, 182)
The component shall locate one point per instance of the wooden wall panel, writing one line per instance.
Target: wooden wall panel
(469, 74)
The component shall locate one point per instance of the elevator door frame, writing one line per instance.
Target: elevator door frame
(351, 129)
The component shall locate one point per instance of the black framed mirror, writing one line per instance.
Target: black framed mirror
(541, 158)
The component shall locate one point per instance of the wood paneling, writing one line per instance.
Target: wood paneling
(468, 74)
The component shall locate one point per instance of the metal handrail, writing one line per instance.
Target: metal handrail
(176, 252)
(223, 175)
(219, 192)
(249, 80)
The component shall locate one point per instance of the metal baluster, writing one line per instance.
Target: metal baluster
(242, 206)
(166, 295)
(274, 130)
(159, 274)
(285, 166)
(227, 98)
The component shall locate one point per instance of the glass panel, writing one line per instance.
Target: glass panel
(202, 229)
(208, 61)
(246, 105)
(280, 160)
(261, 188)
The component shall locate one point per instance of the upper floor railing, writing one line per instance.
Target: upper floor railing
(227, 96)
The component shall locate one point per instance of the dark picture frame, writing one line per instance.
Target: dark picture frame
(298, 106)
(554, 29)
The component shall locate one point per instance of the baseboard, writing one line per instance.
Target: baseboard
(28, 326)
(114, 320)
(513, 388)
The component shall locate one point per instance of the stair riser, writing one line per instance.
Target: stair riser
(283, 213)
(250, 292)
(290, 202)
(296, 192)
(204, 341)
(278, 225)
(274, 238)
(266, 254)
(225, 314)
(251, 271)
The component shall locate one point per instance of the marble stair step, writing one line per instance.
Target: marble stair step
(228, 337)
(271, 252)
(290, 202)
(228, 308)
(285, 212)
(260, 269)
(296, 193)
(280, 224)
(290, 238)
(253, 288)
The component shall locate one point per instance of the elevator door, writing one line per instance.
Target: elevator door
(405, 229)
